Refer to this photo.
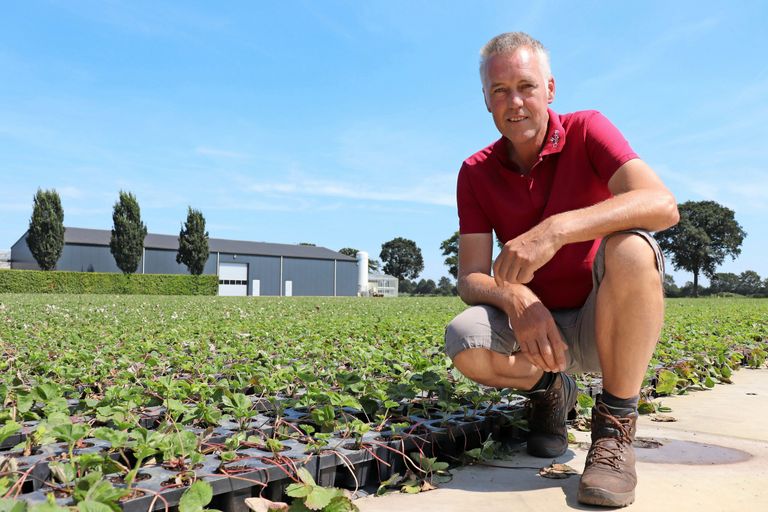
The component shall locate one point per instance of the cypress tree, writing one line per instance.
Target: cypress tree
(128, 233)
(45, 237)
(193, 242)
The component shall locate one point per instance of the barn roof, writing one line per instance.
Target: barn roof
(84, 236)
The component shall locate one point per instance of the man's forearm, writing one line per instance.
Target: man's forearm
(479, 288)
(644, 209)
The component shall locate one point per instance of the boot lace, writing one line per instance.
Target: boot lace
(608, 450)
(545, 416)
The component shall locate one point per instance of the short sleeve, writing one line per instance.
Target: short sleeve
(606, 146)
(472, 218)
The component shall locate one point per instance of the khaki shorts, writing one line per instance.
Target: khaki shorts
(488, 327)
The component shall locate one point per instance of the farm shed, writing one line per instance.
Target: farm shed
(244, 268)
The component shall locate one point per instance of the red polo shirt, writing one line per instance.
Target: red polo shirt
(581, 152)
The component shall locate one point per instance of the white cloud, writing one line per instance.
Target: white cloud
(435, 190)
(743, 190)
(70, 192)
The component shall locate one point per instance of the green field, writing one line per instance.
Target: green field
(275, 345)
(155, 378)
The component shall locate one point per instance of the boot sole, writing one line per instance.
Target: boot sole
(605, 498)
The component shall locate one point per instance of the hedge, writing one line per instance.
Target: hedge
(37, 281)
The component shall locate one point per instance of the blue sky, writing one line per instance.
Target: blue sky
(345, 123)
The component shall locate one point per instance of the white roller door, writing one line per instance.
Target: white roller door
(233, 279)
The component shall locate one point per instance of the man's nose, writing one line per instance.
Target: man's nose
(515, 100)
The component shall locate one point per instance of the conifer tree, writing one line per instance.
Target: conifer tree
(128, 233)
(45, 237)
(193, 243)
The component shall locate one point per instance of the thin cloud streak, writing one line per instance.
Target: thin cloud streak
(424, 194)
(646, 57)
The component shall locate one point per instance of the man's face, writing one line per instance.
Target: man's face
(517, 94)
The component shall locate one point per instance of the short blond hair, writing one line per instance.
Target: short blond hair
(509, 42)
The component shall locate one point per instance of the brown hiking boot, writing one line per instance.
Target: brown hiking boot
(609, 477)
(549, 408)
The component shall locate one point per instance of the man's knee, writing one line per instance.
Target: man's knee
(475, 364)
(631, 256)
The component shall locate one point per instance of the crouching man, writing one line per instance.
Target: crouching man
(578, 285)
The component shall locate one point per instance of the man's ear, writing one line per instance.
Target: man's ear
(551, 89)
(485, 100)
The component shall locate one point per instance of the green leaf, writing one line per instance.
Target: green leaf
(585, 401)
(298, 490)
(319, 497)
(24, 402)
(9, 505)
(439, 466)
(117, 438)
(8, 430)
(196, 497)
(341, 504)
(305, 476)
(411, 488)
(48, 506)
(92, 506)
(709, 382)
(726, 371)
(667, 382)
(645, 408)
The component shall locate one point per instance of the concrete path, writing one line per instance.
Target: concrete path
(713, 458)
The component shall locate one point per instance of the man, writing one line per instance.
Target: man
(578, 283)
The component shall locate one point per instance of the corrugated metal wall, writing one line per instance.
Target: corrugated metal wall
(160, 261)
(21, 256)
(309, 277)
(346, 278)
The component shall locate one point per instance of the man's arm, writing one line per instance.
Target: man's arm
(534, 327)
(640, 200)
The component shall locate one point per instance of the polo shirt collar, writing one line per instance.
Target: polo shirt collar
(553, 142)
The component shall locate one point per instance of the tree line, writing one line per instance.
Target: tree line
(706, 234)
(748, 283)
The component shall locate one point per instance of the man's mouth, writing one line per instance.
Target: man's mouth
(516, 119)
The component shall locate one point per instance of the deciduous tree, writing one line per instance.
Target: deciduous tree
(45, 237)
(193, 243)
(402, 258)
(706, 234)
(128, 233)
(425, 287)
(749, 283)
(445, 287)
(373, 264)
(723, 282)
(450, 248)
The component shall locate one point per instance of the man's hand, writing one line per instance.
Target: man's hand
(524, 255)
(535, 330)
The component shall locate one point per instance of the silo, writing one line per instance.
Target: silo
(362, 274)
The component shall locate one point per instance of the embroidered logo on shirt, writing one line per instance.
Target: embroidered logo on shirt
(555, 139)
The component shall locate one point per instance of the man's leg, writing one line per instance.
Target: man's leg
(629, 313)
(483, 348)
(628, 318)
(497, 370)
